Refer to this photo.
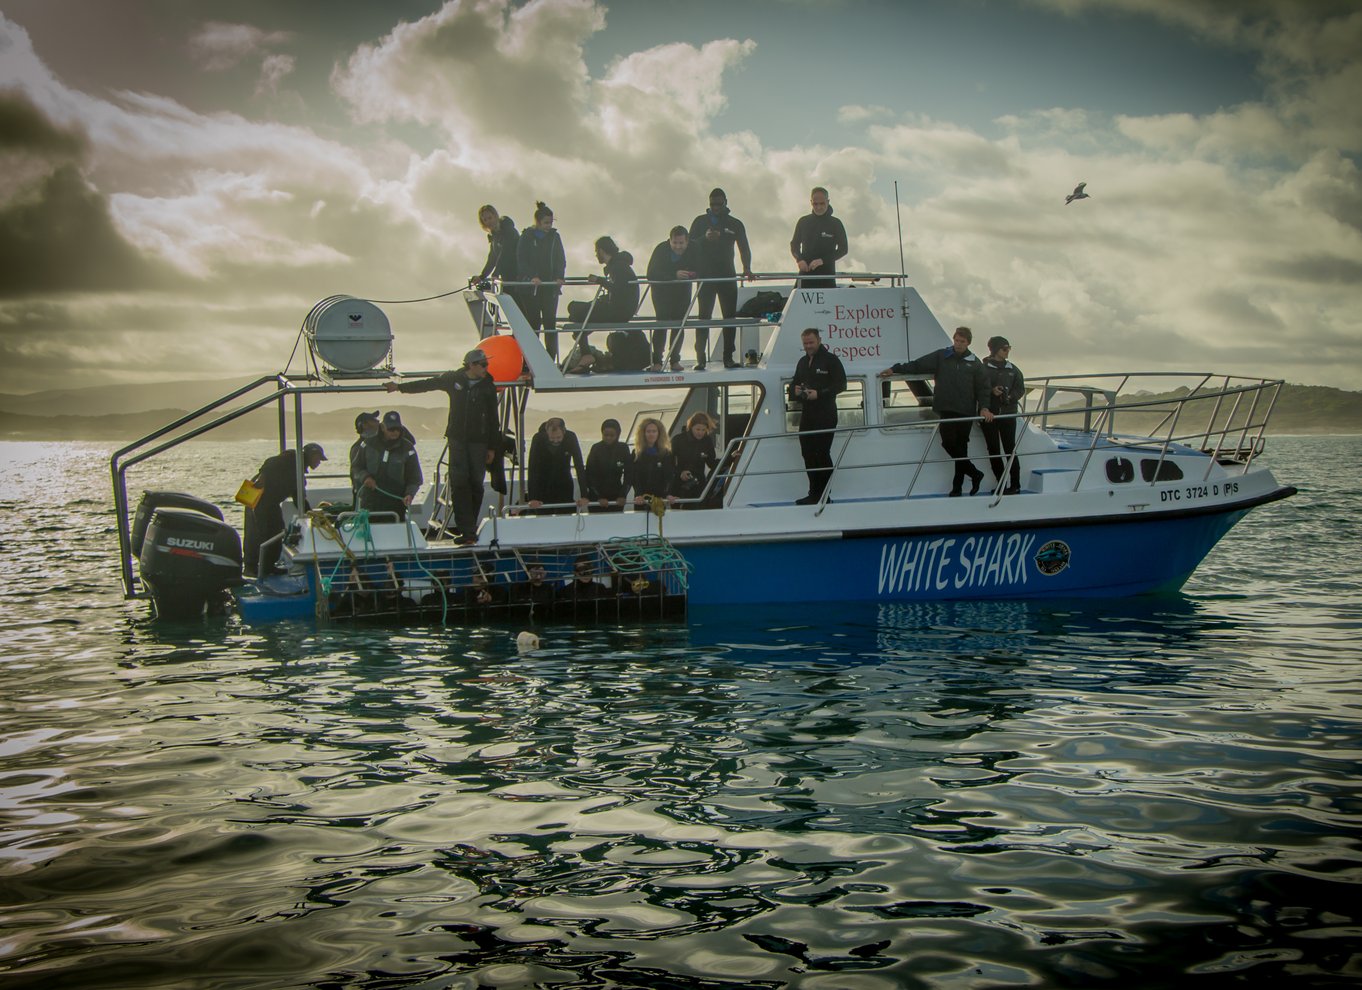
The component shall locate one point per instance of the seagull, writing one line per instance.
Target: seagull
(1078, 193)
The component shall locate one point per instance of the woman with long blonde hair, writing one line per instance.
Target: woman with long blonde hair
(654, 465)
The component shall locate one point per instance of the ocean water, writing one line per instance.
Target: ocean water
(1145, 793)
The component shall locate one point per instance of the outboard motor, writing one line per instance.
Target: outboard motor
(151, 501)
(188, 559)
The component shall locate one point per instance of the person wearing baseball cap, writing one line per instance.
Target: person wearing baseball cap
(389, 475)
(277, 479)
(366, 427)
(472, 431)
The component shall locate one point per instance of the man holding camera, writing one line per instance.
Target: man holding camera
(818, 378)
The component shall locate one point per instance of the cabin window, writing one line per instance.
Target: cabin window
(1166, 470)
(1120, 470)
(903, 400)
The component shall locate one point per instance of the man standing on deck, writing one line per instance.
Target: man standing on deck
(818, 378)
(819, 240)
(716, 232)
(472, 434)
(960, 391)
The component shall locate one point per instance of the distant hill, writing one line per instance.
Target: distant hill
(123, 413)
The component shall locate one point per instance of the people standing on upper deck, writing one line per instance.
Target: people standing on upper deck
(959, 393)
(542, 262)
(717, 232)
(277, 479)
(472, 431)
(503, 245)
(1006, 386)
(819, 240)
(390, 474)
(555, 457)
(609, 466)
(695, 457)
(673, 262)
(654, 465)
(818, 379)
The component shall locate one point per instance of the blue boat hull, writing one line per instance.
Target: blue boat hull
(1098, 560)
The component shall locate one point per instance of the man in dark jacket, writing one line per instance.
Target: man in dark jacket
(367, 425)
(818, 379)
(391, 472)
(960, 392)
(607, 470)
(673, 262)
(1006, 386)
(717, 232)
(278, 477)
(555, 456)
(474, 438)
(819, 240)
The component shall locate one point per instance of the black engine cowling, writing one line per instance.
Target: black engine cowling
(187, 560)
(151, 501)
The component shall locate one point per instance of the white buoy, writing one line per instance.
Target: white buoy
(527, 641)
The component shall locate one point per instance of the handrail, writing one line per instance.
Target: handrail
(120, 463)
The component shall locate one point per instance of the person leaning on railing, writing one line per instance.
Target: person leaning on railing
(959, 393)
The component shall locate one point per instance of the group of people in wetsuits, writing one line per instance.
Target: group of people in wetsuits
(965, 390)
(532, 265)
(656, 468)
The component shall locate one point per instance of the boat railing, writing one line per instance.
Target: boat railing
(203, 420)
(1233, 435)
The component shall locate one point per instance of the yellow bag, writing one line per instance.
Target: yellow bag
(249, 494)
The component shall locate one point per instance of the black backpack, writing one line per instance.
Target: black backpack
(762, 304)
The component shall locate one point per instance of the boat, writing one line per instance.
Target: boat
(1126, 483)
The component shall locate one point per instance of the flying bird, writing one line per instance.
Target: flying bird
(1078, 193)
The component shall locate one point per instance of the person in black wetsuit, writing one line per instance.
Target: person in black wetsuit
(555, 455)
(278, 477)
(695, 457)
(717, 232)
(473, 434)
(673, 261)
(654, 466)
(503, 246)
(819, 240)
(391, 472)
(367, 427)
(542, 261)
(818, 379)
(608, 468)
(1006, 386)
(959, 393)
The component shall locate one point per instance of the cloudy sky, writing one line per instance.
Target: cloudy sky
(179, 182)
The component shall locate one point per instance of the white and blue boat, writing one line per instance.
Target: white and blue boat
(1127, 480)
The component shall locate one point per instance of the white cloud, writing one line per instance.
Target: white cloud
(273, 70)
(1230, 238)
(217, 46)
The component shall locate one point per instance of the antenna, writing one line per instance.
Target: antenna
(902, 270)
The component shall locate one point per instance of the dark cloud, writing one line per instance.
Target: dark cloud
(1316, 269)
(23, 127)
(57, 235)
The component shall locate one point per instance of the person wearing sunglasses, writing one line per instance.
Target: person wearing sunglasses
(472, 432)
